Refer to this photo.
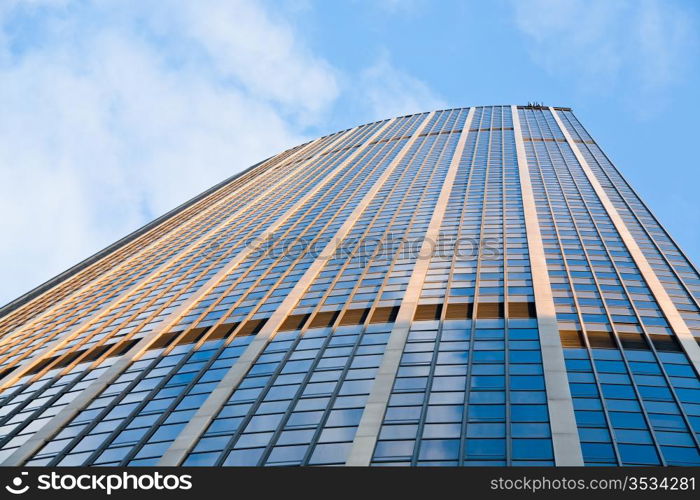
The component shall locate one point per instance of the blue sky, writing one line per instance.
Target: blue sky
(115, 111)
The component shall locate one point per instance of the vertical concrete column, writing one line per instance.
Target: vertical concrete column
(678, 325)
(55, 424)
(189, 436)
(370, 424)
(565, 438)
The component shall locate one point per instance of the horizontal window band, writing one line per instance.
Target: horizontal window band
(576, 339)
(85, 355)
(325, 319)
(484, 310)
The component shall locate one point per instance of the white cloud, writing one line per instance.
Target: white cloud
(387, 91)
(605, 44)
(115, 112)
(266, 58)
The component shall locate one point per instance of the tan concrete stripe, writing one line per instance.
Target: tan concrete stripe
(368, 431)
(55, 424)
(187, 439)
(68, 335)
(147, 248)
(565, 438)
(683, 333)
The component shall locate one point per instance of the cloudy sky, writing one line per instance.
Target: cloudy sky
(113, 112)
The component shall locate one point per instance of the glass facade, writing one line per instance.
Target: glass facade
(466, 287)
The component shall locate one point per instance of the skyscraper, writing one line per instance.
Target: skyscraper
(473, 286)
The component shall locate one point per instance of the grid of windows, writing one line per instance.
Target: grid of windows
(467, 395)
(135, 419)
(329, 425)
(616, 336)
(470, 387)
(28, 405)
(375, 260)
(301, 401)
(677, 275)
(259, 284)
(228, 320)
